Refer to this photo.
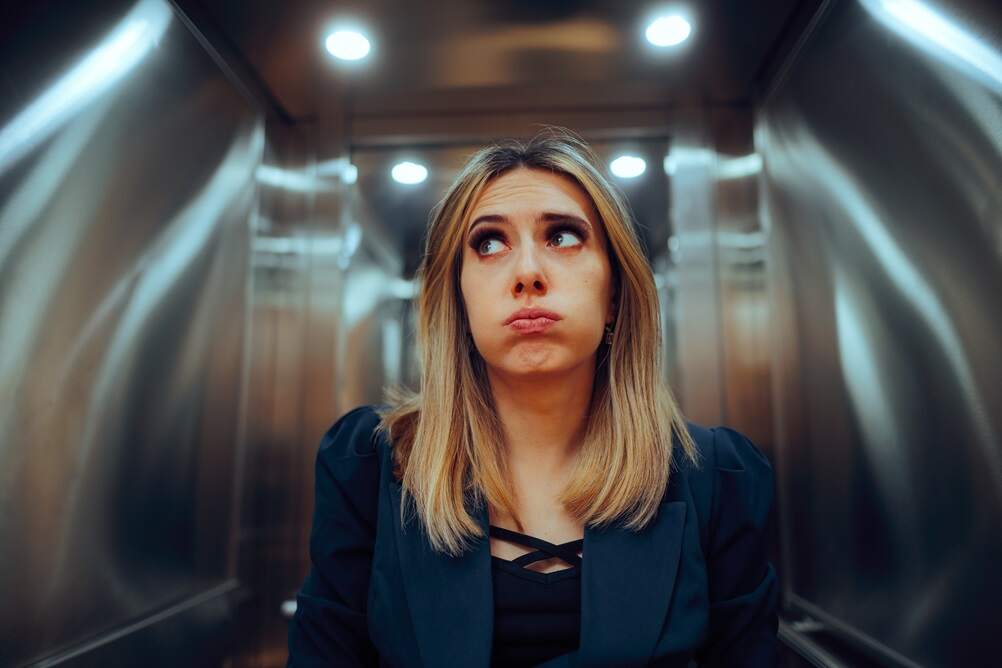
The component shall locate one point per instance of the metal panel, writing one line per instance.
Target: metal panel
(741, 278)
(719, 306)
(690, 165)
(278, 443)
(882, 149)
(126, 191)
(325, 317)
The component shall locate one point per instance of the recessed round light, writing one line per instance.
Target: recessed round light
(628, 166)
(668, 30)
(347, 45)
(409, 172)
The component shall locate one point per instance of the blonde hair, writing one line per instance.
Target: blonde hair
(447, 438)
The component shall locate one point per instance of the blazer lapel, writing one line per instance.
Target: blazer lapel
(627, 581)
(451, 600)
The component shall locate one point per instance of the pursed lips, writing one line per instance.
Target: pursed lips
(527, 321)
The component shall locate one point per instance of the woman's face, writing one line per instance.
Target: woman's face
(535, 241)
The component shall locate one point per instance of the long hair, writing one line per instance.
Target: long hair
(447, 437)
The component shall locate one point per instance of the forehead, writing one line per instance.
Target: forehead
(531, 190)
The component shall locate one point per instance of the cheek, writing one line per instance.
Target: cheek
(473, 288)
(595, 285)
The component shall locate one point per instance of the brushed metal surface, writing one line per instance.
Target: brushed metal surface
(326, 337)
(882, 149)
(126, 191)
(718, 307)
(697, 314)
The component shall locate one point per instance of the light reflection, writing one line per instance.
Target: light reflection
(24, 206)
(741, 240)
(880, 416)
(126, 45)
(740, 167)
(350, 245)
(350, 174)
(366, 286)
(289, 179)
(135, 297)
(327, 245)
(940, 37)
(724, 167)
(393, 348)
(685, 157)
(340, 168)
(807, 155)
(308, 179)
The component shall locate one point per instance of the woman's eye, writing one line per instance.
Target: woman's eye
(567, 234)
(490, 243)
(485, 244)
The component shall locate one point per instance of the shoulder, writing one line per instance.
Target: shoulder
(346, 480)
(349, 454)
(352, 434)
(731, 474)
(724, 449)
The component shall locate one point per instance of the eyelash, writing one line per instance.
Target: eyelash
(483, 235)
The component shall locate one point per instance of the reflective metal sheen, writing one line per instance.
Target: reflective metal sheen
(126, 194)
(882, 150)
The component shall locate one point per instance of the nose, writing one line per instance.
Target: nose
(537, 286)
(528, 275)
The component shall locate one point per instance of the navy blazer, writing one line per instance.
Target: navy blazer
(695, 584)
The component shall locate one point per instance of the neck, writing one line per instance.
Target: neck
(543, 417)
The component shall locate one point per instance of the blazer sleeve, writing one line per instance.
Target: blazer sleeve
(329, 627)
(743, 585)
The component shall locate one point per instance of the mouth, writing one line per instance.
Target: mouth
(530, 313)
(525, 318)
(531, 325)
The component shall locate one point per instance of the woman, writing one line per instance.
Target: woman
(541, 501)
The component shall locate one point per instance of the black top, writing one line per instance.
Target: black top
(537, 616)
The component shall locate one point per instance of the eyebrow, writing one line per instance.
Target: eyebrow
(545, 217)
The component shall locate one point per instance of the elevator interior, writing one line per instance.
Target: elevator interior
(204, 262)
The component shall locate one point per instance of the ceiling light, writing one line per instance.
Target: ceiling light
(409, 173)
(668, 30)
(628, 166)
(347, 45)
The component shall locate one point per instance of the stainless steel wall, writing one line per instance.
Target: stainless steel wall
(126, 196)
(192, 293)
(190, 296)
(882, 149)
(717, 308)
(326, 337)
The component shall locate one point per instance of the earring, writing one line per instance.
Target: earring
(608, 334)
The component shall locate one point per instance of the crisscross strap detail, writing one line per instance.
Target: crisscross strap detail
(567, 551)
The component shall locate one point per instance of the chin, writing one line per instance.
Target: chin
(537, 360)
